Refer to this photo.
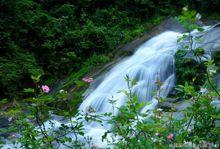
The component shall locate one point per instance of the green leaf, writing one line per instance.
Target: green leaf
(3, 101)
(29, 90)
(36, 78)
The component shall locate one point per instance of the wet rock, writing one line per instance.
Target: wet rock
(210, 22)
(177, 107)
(166, 106)
(172, 100)
(172, 93)
(170, 24)
(4, 122)
(217, 123)
(178, 115)
(182, 105)
(216, 103)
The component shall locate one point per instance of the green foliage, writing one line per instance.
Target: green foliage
(60, 35)
(188, 63)
(15, 74)
(188, 19)
(57, 37)
(188, 69)
(87, 66)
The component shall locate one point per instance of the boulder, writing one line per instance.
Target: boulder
(172, 100)
(166, 106)
(4, 122)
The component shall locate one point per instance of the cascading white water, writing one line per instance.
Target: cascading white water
(154, 60)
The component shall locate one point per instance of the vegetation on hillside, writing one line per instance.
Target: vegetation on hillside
(54, 38)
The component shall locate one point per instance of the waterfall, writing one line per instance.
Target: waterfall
(152, 61)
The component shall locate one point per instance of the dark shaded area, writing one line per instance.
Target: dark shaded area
(54, 37)
(189, 70)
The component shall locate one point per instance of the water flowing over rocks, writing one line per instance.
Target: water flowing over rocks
(155, 60)
(152, 61)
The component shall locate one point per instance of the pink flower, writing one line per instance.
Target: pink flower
(170, 136)
(87, 80)
(45, 88)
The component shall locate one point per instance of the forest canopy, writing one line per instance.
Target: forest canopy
(53, 38)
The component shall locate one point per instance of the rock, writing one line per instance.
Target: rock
(216, 103)
(172, 25)
(172, 100)
(166, 106)
(4, 122)
(169, 24)
(175, 104)
(182, 105)
(210, 22)
(217, 123)
(217, 79)
(172, 93)
(178, 107)
(178, 115)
